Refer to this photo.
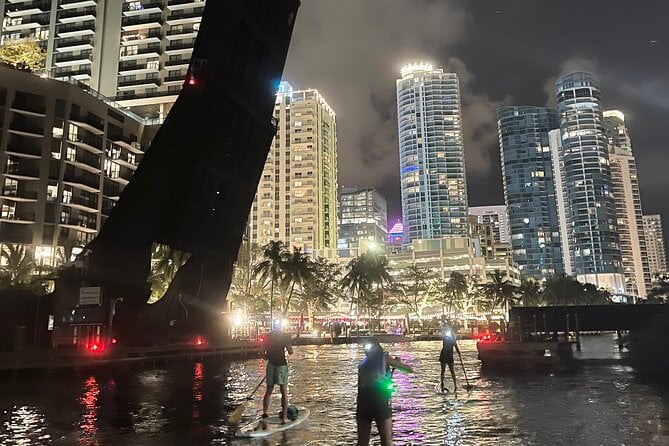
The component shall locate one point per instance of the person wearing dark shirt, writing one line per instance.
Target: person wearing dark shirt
(374, 392)
(449, 341)
(276, 370)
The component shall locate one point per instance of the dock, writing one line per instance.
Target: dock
(73, 359)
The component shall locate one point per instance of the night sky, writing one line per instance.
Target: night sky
(506, 52)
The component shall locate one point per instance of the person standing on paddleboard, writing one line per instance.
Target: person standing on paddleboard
(449, 341)
(375, 388)
(276, 370)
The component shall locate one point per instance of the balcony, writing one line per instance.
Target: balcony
(76, 29)
(82, 203)
(139, 83)
(179, 48)
(71, 4)
(37, 110)
(142, 36)
(65, 60)
(141, 22)
(29, 23)
(125, 163)
(89, 123)
(67, 45)
(181, 63)
(179, 18)
(126, 68)
(79, 74)
(22, 172)
(82, 182)
(87, 143)
(20, 217)
(141, 53)
(174, 79)
(130, 146)
(154, 7)
(79, 224)
(184, 33)
(76, 15)
(90, 163)
(28, 8)
(23, 150)
(19, 195)
(24, 129)
(174, 5)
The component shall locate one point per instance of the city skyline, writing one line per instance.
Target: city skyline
(360, 80)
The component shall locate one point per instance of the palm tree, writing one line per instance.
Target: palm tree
(500, 292)
(322, 292)
(297, 271)
(270, 270)
(530, 293)
(165, 264)
(414, 290)
(379, 279)
(356, 282)
(561, 289)
(367, 279)
(18, 267)
(455, 290)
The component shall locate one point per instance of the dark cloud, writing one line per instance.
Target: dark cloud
(351, 50)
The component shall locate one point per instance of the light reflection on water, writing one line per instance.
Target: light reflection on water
(189, 403)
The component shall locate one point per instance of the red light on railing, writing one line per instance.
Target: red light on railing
(199, 341)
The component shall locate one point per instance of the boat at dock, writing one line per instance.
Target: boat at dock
(525, 355)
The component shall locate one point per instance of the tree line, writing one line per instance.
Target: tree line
(283, 280)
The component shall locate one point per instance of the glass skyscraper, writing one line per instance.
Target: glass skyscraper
(593, 242)
(432, 159)
(529, 190)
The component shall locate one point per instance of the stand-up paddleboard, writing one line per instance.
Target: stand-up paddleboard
(263, 427)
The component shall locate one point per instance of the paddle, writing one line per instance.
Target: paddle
(236, 416)
(469, 386)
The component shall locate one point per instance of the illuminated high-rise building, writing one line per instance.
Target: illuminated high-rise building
(592, 241)
(432, 159)
(529, 188)
(627, 198)
(296, 201)
(363, 221)
(655, 245)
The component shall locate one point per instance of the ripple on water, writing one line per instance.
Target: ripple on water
(189, 404)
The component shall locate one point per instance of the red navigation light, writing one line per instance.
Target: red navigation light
(95, 347)
(199, 341)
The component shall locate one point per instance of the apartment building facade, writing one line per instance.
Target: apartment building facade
(296, 201)
(66, 156)
(136, 51)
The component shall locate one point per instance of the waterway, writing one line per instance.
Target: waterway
(188, 404)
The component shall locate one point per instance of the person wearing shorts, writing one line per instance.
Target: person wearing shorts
(374, 392)
(276, 370)
(449, 342)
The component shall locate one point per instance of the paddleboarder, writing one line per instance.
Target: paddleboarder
(276, 370)
(374, 391)
(449, 341)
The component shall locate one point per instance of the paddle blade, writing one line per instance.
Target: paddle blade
(236, 416)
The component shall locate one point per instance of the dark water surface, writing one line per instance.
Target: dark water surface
(188, 404)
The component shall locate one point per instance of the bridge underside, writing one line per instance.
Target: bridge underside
(195, 185)
(590, 317)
